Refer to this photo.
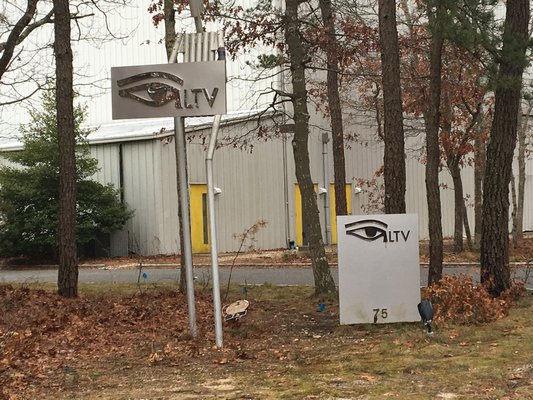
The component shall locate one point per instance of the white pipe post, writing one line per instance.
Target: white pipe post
(213, 231)
(327, 218)
(196, 10)
(181, 162)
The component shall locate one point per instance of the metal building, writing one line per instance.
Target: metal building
(255, 183)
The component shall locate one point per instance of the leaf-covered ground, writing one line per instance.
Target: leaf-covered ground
(112, 344)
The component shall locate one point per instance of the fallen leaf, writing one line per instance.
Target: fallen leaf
(367, 378)
(154, 358)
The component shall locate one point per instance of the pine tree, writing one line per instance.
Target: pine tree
(30, 190)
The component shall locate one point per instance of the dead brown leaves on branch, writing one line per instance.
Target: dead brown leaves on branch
(457, 300)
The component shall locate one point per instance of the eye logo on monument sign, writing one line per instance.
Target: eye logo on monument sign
(157, 94)
(372, 230)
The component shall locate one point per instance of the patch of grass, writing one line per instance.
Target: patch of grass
(102, 289)
(289, 255)
(267, 292)
(49, 287)
(466, 361)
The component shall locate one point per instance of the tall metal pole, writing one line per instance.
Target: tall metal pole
(196, 9)
(286, 188)
(327, 223)
(183, 190)
(213, 232)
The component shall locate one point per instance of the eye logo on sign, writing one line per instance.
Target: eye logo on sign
(157, 94)
(189, 89)
(371, 230)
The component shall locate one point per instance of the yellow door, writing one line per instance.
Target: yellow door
(332, 205)
(199, 220)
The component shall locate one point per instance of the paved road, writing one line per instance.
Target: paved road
(240, 275)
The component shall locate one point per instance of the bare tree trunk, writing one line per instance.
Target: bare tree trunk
(394, 157)
(170, 38)
(452, 161)
(324, 283)
(494, 258)
(170, 25)
(67, 281)
(335, 109)
(455, 172)
(432, 121)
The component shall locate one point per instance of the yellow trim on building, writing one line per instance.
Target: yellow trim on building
(199, 219)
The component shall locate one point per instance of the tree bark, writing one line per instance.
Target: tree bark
(298, 56)
(68, 263)
(394, 157)
(494, 257)
(455, 172)
(170, 25)
(432, 122)
(335, 109)
(453, 162)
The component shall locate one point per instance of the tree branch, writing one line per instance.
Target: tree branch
(17, 35)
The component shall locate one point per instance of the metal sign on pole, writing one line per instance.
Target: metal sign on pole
(182, 90)
(198, 48)
(169, 90)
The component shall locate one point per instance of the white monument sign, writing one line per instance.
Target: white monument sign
(379, 273)
(169, 90)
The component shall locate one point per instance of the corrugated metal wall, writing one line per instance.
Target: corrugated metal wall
(252, 184)
(252, 189)
(365, 157)
(108, 156)
(108, 160)
(149, 187)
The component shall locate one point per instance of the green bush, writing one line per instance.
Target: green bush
(29, 190)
